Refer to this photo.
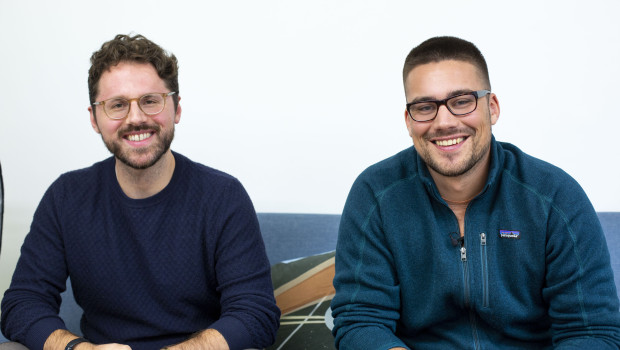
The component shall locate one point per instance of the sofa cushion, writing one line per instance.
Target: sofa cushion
(611, 226)
(303, 290)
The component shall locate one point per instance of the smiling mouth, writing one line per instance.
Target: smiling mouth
(449, 142)
(139, 137)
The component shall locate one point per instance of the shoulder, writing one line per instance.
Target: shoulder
(388, 175)
(398, 167)
(531, 170)
(203, 173)
(85, 178)
(73, 189)
(198, 179)
(540, 179)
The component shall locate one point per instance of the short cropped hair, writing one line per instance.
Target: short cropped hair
(137, 48)
(443, 48)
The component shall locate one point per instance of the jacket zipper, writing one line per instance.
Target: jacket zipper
(485, 274)
(472, 316)
(466, 291)
(465, 273)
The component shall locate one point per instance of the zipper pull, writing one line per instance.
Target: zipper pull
(483, 239)
(463, 254)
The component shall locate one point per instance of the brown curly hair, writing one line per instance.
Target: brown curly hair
(135, 48)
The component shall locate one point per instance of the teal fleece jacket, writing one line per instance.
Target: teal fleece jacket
(532, 272)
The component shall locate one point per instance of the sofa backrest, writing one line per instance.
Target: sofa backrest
(290, 236)
(611, 226)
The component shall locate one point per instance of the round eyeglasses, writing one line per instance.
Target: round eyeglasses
(459, 105)
(149, 104)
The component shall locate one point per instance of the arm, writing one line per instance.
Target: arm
(367, 302)
(249, 316)
(580, 291)
(209, 339)
(59, 339)
(30, 305)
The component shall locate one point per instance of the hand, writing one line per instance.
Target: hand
(91, 346)
(59, 339)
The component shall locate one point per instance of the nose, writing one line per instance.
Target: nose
(444, 118)
(135, 115)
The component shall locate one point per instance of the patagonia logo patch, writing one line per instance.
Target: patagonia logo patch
(509, 234)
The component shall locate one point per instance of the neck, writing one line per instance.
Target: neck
(463, 188)
(465, 202)
(144, 183)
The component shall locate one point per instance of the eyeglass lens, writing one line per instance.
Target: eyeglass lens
(118, 108)
(457, 105)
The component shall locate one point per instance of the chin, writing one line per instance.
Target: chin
(140, 162)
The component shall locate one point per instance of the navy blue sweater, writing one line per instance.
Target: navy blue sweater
(147, 272)
(534, 273)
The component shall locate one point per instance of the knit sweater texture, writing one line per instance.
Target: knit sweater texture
(147, 272)
(533, 271)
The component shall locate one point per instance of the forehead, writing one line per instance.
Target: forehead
(439, 79)
(129, 79)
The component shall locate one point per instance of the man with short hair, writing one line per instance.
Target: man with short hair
(161, 251)
(464, 242)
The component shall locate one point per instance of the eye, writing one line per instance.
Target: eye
(150, 100)
(116, 104)
(461, 102)
(423, 108)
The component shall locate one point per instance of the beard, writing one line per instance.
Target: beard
(454, 170)
(141, 158)
(450, 167)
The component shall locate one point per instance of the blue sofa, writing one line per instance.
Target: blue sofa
(290, 236)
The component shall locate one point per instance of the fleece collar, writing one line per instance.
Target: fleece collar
(497, 161)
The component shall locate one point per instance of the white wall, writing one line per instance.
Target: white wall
(296, 98)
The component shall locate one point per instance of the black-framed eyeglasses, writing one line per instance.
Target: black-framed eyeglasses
(150, 104)
(459, 105)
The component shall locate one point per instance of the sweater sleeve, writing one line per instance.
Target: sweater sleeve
(580, 290)
(249, 315)
(30, 305)
(366, 306)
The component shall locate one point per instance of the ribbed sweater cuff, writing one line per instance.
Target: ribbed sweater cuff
(41, 330)
(235, 333)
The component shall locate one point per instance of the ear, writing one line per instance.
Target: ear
(177, 115)
(93, 120)
(494, 108)
(409, 122)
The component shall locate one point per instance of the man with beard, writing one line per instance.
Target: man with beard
(162, 252)
(464, 242)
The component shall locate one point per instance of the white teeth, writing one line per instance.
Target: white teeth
(138, 137)
(451, 142)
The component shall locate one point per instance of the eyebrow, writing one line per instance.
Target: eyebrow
(450, 94)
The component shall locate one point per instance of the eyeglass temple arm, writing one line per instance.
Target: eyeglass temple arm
(481, 93)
